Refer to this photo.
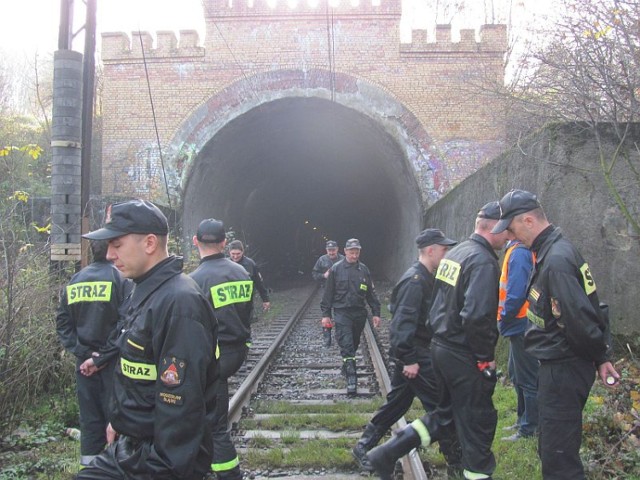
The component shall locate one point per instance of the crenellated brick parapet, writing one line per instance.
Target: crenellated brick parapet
(241, 9)
(493, 39)
(118, 46)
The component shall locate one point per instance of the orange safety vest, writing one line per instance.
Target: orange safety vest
(504, 277)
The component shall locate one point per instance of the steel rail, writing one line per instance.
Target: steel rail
(411, 463)
(251, 382)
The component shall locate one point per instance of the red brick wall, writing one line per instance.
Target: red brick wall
(432, 81)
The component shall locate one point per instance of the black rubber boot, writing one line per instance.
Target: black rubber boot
(352, 377)
(370, 438)
(383, 458)
(326, 335)
(233, 474)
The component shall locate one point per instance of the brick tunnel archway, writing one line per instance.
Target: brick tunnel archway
(285, 167)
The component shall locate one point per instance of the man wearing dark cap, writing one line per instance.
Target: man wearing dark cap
(236, 253)
(463, 320)
(86, 321)
(166, 368)
(230, 290)
(569, 334)
(410, 337)
(348, 287)
(320, 273)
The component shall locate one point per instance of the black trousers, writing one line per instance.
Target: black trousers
(464, 396)
(123, 460)
(225, 457)
(404, 390)
(563, 389)
(94, 395)
(349, 326)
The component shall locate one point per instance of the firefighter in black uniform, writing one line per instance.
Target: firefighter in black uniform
(569, 335)
(347, 289)
(166, 371)
(320, 272)
(463, 319)
(86, 320)
(236, 252)
(410, 336)
(230, 289)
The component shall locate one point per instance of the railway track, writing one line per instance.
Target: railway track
(290, 413)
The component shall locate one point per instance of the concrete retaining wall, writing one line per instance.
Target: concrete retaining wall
(561, 165)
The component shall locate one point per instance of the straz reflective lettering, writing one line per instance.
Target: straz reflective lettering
(231, 292)
(89, 292)
(448, 271)
(138, 371)
(589, 284)
(363, 287)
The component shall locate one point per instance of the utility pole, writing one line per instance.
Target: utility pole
(72, 124)
(88, 84)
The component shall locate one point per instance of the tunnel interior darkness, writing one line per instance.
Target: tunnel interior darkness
(294, 172)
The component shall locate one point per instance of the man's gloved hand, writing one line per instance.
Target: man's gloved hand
(327, 322)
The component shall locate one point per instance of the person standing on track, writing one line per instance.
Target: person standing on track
(348, 287)
(320, 273)
(410, 336)
(86, 320)
(463, 319)
(236, 253)
(228, 286)
(166, 369)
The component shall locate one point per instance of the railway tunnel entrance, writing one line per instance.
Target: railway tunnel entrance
(291, 173)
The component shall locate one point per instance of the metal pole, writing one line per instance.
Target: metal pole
(88, 81)
(65, 34)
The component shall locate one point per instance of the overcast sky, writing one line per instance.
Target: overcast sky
(32, 25)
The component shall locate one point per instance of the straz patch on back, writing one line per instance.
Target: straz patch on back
(448, 271)
(173, 371)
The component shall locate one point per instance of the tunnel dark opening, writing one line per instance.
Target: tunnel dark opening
(292, 173)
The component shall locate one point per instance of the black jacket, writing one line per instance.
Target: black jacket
(323, 264)
(228, 286)
(258, 283)
(349, 285)
(563, 304)
(465, 303)
(163, 384)
(88, 312)
(410, 305)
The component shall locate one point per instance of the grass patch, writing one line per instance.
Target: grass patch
(336, 408)
(318, 453)
(334, 422)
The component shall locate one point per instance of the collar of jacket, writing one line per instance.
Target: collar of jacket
(482, 241)
(159, 274)
(544, 240)
(213, 256)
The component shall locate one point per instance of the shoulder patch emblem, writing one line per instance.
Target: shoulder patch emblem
(173, 370)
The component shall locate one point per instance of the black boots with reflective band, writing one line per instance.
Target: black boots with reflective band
(370, 438)
(326, 336)
(383, 458)
(234, 474)
(352, 378)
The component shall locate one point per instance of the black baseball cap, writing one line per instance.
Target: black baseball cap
(512, 204)
(331, 244)
(211, 230)
(490, 211)
(133, 216)
(352, 243)
(433, 236)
